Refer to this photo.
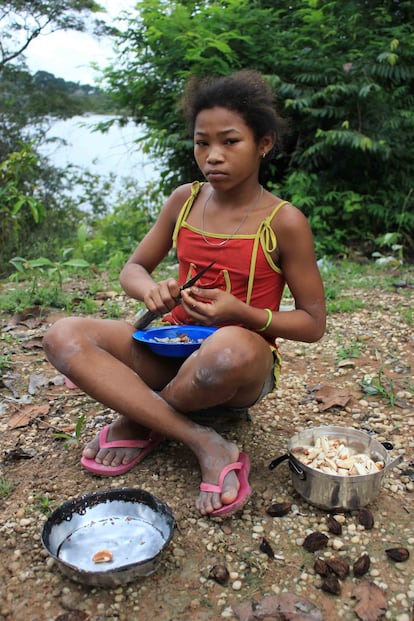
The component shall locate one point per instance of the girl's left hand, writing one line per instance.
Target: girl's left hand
(209, 306)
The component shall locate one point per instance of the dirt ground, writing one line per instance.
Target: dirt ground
(359, 375)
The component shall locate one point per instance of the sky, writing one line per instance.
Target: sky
(68, 54)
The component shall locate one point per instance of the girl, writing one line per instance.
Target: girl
(259, 243)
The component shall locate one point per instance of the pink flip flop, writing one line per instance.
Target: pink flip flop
(146, 447)
(242, 468)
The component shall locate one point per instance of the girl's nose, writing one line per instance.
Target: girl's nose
(214, 155)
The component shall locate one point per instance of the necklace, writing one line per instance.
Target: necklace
(238, 227)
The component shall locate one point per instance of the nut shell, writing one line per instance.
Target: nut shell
(399, 555)
(338, 566)
(366, 519)
(220, 574)
(315, 541)
(331, 585)
(102, 556)
(361, 565)
(333, 525)
(279, 509)
(321, 567)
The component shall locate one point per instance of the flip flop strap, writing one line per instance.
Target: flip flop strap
(208, 487)
(103, 443)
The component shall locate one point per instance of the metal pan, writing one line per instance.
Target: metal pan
(329, 491)
(132, 524)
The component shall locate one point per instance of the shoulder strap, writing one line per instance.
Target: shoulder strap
(266, 235)
(185, 209)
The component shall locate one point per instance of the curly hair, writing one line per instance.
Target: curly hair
(245, 92)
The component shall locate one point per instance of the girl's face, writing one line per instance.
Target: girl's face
(225, 147)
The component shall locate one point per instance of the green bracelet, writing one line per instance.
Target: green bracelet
(268, 322)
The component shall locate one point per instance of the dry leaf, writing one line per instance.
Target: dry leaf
(26, 414)
(283, 607)
(372, 603)
(19, 453)
(329, 396)
(27, 313)
(35, 342)
(73, 615)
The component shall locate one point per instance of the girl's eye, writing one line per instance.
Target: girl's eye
(201, 143)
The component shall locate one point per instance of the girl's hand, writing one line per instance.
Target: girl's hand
(162, 296)
(210, 306)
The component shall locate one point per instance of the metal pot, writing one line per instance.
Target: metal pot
(329, 491)
(132, 524)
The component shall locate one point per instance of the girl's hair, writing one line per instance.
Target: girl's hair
(245, 92)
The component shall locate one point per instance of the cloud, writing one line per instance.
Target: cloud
(69, 54)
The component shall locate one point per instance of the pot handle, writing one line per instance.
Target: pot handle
(293, 465)
(278, 460)
(393, 462)
(296, 468)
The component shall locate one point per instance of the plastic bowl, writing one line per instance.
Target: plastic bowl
(163, 340)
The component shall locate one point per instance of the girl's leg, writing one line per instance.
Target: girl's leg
(229, 368)
(85, 349)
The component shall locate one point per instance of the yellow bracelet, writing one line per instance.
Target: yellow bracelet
(268, 322)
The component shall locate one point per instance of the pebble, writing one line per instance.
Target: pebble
(237, 585)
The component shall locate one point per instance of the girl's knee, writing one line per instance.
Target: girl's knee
(223, 365)
(61, 337)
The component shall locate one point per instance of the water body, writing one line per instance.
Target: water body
(101, 153)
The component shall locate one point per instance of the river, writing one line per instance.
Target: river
(101, 153)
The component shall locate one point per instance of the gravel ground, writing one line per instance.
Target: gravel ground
(372, 346)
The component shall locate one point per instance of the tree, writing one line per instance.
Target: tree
(21, 21)
(31, 203)
(343, 73)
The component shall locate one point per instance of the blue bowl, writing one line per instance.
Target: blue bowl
(164, 340)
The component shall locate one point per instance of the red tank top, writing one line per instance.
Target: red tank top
(243, 265)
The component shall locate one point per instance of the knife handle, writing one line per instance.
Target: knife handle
(145, 319)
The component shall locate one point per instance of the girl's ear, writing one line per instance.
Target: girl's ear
(267, 143)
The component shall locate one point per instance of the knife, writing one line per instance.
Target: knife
(148, 316)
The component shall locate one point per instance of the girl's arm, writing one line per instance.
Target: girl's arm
(298, 263)
(135, 276)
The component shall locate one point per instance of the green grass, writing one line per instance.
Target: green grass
(5, 487)
(345, 284)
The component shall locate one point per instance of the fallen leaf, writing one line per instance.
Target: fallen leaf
(19, 453)
(106, 295)
(34, 343)
(26, 414)
(27, 313)
(283, 607)
(346, 364)
(73, 615)
(37, 380)
(329, 396)
(371, 604)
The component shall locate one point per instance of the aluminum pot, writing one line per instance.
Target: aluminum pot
(132, 524)
(329, 491)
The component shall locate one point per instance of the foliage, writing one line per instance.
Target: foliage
(380, 385)
(43, 94)
(5, 487)
(110, 240)
(38, 206)
(73, 438)
(343, 74)
(17, 175)
(22, 21)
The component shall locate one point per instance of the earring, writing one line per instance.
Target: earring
(264, 154)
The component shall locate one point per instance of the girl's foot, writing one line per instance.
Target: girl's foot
(217, 454)
(120, 430)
